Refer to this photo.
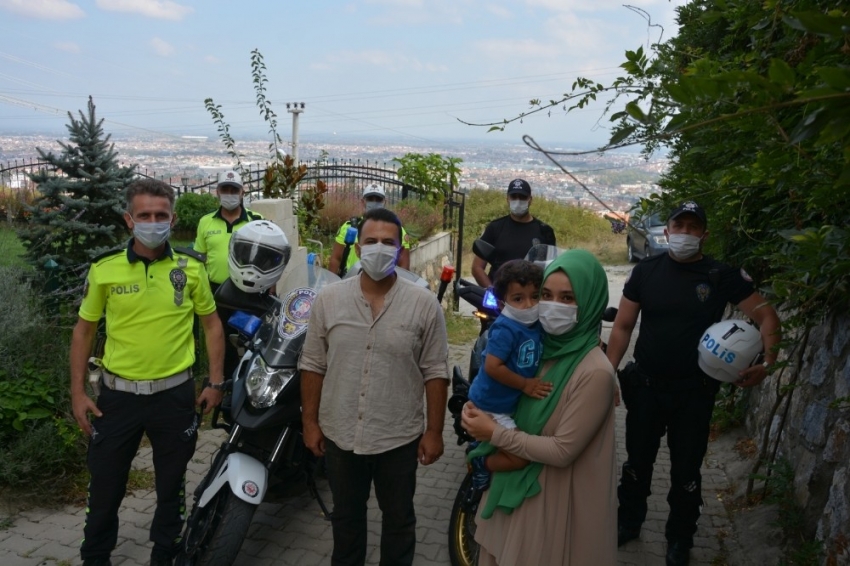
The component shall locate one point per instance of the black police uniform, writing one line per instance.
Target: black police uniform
(148, 306)
(665, 391)
(512, 239)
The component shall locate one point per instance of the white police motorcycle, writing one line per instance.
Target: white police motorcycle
(263, 457)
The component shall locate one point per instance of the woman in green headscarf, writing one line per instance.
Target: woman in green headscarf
(561, 508)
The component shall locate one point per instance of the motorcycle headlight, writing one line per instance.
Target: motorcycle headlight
(662, 239)
(264, 384)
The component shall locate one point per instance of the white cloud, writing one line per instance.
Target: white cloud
(160, 9)
(68, 46)
(43, 9)
(212, 59)
(525, 48)
(162, 47)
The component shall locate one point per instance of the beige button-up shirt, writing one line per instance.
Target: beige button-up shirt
(374, 369)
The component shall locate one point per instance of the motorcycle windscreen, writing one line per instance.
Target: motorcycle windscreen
(543, 254)
(284, 332)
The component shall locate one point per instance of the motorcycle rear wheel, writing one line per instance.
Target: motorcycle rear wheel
(215, 533)
(463, 550)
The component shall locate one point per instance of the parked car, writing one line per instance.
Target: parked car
(646, 237)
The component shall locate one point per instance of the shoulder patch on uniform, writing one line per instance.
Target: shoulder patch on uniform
(190, 252)
(109, 253)
(254, 215)
(746, 276)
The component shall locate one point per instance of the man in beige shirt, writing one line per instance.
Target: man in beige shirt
(374, 345)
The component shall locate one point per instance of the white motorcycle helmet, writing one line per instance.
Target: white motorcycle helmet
(259, 252)
(727, 348)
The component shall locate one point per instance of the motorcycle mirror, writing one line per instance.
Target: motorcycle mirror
(483, 249)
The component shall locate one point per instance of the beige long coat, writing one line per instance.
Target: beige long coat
(573, 520)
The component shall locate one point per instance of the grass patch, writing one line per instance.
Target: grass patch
(12, 247)
(141, 480)
(461, 329)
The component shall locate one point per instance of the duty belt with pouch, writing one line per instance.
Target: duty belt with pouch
(145, 387)
(633, 376)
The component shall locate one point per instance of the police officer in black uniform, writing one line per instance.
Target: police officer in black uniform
(680, 294)
(512, 235)
(148, 292)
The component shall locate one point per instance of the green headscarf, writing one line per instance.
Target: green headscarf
(590, 286)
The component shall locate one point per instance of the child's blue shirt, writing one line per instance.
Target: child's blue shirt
(520, 347)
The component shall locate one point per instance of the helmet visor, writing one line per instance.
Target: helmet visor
(258, 256)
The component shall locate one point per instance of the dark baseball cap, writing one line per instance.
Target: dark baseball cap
(689, 207)
(519, 187)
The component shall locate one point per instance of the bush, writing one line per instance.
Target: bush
(14, 203)
(40, 445)
(420, 218)
(191, 207)
(340, 206)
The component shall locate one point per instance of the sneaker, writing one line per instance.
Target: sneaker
(480, 474)
(161, 558)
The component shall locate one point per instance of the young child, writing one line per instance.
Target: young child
(511, 359)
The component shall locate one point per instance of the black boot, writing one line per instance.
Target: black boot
(678, 554)
(625, 534)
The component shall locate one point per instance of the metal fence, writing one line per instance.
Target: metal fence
(339, 176)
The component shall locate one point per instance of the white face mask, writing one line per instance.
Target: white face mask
(378, 260)
(523, 316)
(684, 246)
(557, 318)
(372, 205)
(230, 202)
(151, 234)
(519, 207)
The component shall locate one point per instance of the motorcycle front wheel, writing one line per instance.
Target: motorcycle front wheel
(463, 550)
(215, 532)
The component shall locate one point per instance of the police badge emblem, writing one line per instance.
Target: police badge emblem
(295, 313)
(178, 281)
(703, 292)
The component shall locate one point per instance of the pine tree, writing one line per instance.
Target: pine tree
(79, 212)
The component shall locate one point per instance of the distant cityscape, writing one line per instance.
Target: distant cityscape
(619, 179)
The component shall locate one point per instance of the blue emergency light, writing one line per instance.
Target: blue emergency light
(246, 324)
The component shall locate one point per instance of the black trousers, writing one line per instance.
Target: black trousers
(684, 416)
(168, 420)
(350, 476)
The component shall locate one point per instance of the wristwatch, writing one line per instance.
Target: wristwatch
(216, 386)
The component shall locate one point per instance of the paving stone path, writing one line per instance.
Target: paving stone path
(295, 533)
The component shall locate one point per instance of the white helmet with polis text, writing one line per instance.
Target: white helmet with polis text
(259, 252)
(727, 348)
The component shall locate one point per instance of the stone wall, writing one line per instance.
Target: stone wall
(812, 425)
(428, 259)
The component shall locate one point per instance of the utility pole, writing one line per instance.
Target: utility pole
(295, 108)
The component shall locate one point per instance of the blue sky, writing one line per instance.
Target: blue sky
(403, 69)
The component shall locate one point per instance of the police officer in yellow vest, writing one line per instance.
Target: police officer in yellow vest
(213, 240)
(373, 197)
(149, 292)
